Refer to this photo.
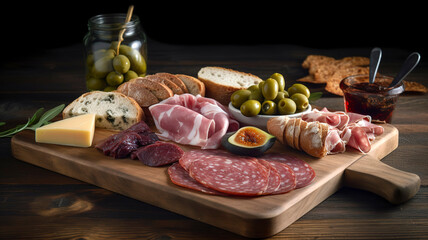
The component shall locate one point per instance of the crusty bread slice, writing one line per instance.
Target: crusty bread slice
(289, 132)
(113, 110)
(220, 83)
(160, 90)
(139, 92)
(276, 127)
(193, 85)
(171, 85)
(296, 137)
(173, 78)
(312, 139)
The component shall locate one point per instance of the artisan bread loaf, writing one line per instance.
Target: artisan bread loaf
(113, 110)
(193, 85)
(221, 82)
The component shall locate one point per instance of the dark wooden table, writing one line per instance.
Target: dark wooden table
(40, 204)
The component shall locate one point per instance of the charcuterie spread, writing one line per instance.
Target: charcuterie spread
(190, 154)
(226, 158)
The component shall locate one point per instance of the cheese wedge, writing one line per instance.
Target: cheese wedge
(75, 131)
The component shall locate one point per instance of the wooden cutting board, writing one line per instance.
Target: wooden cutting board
(251, 217)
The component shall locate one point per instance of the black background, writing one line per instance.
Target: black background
(30, 28)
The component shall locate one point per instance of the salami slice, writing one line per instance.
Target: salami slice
(180, 177)
(230, 174)
(287, 177)
(274, 178)
(303, 172)
(195, 155)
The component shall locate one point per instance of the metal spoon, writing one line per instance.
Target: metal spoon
(408, 65)
(375, 56)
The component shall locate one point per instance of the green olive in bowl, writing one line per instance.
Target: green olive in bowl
(286, 106)
(301, 101)
(299, 88)
(239, 97)
(250, 108)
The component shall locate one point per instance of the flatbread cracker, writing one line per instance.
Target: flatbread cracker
(414, 87)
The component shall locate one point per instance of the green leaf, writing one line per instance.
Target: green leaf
(42, 120)
(2, 123)
(315, 96)
(47, 116)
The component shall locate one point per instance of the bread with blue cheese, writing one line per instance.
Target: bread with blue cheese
(113, 110)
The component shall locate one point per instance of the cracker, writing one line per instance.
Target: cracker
(414, 87)
(332, 85)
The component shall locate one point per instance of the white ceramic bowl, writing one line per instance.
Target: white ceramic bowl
(260, 121)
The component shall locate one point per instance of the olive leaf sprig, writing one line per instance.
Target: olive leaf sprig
(314, 96)
(37, 120)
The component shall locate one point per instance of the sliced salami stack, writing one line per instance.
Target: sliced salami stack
(219, 172)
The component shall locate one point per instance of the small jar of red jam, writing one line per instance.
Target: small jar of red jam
(375, 99)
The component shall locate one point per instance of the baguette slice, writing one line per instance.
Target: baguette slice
(312, 139)
(113, 110)
(193, 85)
(220, 83)
(276, 126)
(309, 137)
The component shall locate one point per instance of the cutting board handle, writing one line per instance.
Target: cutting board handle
(370, 174)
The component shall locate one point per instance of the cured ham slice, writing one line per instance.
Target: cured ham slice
(335, 119)
(322, 132)
(192, 120)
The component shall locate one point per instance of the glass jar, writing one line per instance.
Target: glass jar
(107, 64)
(375, 99)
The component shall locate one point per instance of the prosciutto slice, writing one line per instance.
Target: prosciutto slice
(346, 129)
(192, 120)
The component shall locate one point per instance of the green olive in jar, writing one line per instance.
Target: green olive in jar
(299, 88)
(102, 67)
(114, 79)
(130, 75)
(239, 97)
(270, 89)
(138, 63)
(121, 64)
(280, 79)
(286, 106)
(269, 107)
(301, 101)
(109, 89)
(95, 83)
(250, 108)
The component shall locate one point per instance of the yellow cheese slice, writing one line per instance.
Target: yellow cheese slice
(76, 131)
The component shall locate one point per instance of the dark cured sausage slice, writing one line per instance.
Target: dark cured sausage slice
(303, 172)
(159, 154)
(230, 174)
(180, 177)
